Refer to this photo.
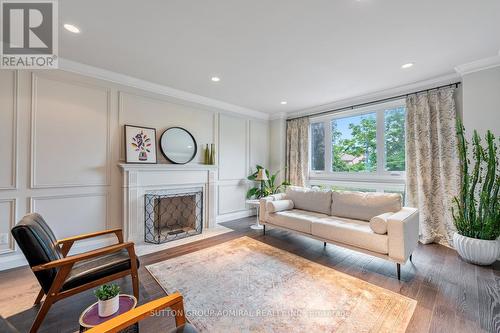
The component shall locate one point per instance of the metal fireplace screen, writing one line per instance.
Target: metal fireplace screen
(172, 216)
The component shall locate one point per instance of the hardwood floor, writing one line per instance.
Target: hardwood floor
(452, 296)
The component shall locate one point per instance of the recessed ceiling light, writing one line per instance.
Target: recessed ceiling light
(408, 65)
(283, 102)
(215, 78)
(72, 28)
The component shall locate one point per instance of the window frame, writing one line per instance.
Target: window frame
(381, 176)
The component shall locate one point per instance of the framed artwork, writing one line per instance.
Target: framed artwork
(140, 144)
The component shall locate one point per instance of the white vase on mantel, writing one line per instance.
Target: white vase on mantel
(477, 251)
(108, 307)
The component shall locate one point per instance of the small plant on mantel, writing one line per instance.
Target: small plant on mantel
(108, 299)
(477, 208)
(269, 186)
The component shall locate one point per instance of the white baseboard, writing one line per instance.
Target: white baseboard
(235, 215)
(17, 259)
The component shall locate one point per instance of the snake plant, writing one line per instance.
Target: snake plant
(477, 209)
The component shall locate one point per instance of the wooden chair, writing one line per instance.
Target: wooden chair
(60, 275)
(174, 302)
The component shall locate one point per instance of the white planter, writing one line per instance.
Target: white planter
(108, 307)
(477, 251)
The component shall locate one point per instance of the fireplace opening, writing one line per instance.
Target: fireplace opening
(170, 216)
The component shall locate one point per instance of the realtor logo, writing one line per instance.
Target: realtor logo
(29, 34)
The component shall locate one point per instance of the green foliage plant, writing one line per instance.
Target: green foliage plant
(477, 209)
(269, 187)
(106, 291)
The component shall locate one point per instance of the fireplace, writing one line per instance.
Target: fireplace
(172, 214)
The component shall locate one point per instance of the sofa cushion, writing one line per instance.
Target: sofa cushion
(279, 205)
(351, 232)
(296, 219)
(312, 200)
(364, 205)
(379, 223)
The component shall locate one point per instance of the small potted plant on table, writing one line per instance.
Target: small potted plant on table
(108, 299)
(477, 208)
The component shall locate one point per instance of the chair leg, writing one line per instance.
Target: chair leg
(135, 285)
(39, 297)
(398, 266)
(40, 316)
(324, 243)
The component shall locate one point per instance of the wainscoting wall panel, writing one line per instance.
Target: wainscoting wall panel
(69, 119)
(7, 221)
(259, 144)
(233, 141)
(86, 212)
(232, 197)
(8, 129)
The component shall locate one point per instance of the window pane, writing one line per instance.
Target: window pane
(317, 146)
(354, 143)
(394, 137)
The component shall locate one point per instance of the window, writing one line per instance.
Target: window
(366, 144)
(354, 143)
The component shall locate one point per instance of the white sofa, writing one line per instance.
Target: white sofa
(372, 223)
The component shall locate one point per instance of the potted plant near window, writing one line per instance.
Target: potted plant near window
(477, 209)
(267, 187)
(108, 299)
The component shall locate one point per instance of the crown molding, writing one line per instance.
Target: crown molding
(279, 115)
(381, 94)
(122, 79)
(478, 65)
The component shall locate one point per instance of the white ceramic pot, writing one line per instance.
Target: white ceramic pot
(477, 251)
(108, 307)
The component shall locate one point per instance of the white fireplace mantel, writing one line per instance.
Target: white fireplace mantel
(139, 179)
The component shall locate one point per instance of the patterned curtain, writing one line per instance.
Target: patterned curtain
(297, 151)
(432, 164)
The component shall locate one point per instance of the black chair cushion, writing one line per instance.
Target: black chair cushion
(186, 328)
(39, 246)
(92, 269)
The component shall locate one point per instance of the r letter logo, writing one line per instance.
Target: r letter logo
(29, 34)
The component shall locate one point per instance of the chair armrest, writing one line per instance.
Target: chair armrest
(263, 202)
(402, 230)
(118, 323)
(82, 256)
(118, 232)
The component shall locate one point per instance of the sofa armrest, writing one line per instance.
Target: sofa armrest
(263, 202)
(402, 230)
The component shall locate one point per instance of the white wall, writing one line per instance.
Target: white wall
(62, 138)
(481, 101)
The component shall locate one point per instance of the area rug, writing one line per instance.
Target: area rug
(247, 286)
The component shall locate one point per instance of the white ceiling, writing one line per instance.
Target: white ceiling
(307, 52)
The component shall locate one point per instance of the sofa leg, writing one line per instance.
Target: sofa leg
(410, 257)
(324, 243)
(398, 266)
(264, 229)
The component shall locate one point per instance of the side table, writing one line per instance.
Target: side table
(90, 317)
(256, 204)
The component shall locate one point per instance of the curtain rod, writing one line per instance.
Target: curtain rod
(355, 106)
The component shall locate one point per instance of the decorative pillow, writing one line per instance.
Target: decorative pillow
(379, 223)
(279, 205)
(312, 200)
(364, 205)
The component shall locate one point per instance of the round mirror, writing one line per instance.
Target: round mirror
(178, 145)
